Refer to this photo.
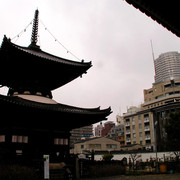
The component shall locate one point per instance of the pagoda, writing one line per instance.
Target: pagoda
(32, 123)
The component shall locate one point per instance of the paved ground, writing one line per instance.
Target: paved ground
(143, 177)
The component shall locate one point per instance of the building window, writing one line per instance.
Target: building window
(95, 146)
(60, 141)
(65, 141)
(19, 139)
(111, 146)
(133, 119)
(2, 138)
(140, 134)
(82, 146)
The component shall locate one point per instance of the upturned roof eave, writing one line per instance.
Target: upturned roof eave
(44, 55)
(61, 108)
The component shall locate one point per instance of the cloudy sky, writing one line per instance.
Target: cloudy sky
(111, 33)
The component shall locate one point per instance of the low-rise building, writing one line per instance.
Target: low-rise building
(97, 144)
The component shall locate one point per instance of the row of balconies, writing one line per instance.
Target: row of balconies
(141, 139)
(146, 128)
(146, 120)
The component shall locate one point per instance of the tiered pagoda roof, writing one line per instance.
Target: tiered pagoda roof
(31, 74)
(34, 67)
(28, 112)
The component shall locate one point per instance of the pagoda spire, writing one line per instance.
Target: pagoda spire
(34, 34)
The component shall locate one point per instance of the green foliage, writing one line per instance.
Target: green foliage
(107, 157)
(173, 131)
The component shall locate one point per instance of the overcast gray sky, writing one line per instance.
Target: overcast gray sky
(111, 33)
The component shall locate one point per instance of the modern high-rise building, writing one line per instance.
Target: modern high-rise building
(167, 67)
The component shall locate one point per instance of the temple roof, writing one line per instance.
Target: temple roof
(164, 12)
(27, 111)
(34, 67)
(29, 72)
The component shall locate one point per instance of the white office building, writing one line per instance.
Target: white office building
(167, 67)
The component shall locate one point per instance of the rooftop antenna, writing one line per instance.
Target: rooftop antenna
(152, 50)
(153, 58)
(34, 34)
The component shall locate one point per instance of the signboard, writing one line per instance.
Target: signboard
(46, 166)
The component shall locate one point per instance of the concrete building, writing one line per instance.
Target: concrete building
(145, 125)
(101, 130)
(117, 133)
(161, 100)
(79, 133)
(119, 120)
(139, 128)
(167, 67)
(98, 130)
(139, 123)
(107, 127)
(97, 144)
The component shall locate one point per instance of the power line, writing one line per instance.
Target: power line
(56, 40)
(20, 34)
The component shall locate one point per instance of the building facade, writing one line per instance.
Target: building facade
(107, 127)
(103, 130)
(97, 144)
(98, 130)
(162, 99)
(146, 125)
(117, 133)
(79, 133)
(167, 67)
(138, 127)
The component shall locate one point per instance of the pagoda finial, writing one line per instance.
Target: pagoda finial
(35, 31)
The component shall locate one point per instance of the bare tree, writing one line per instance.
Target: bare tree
(134, 157)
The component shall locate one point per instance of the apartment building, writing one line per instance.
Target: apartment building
(79, 133)
(139, 127)
(146, 125)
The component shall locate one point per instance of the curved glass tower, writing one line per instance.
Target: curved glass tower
(167, 67)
